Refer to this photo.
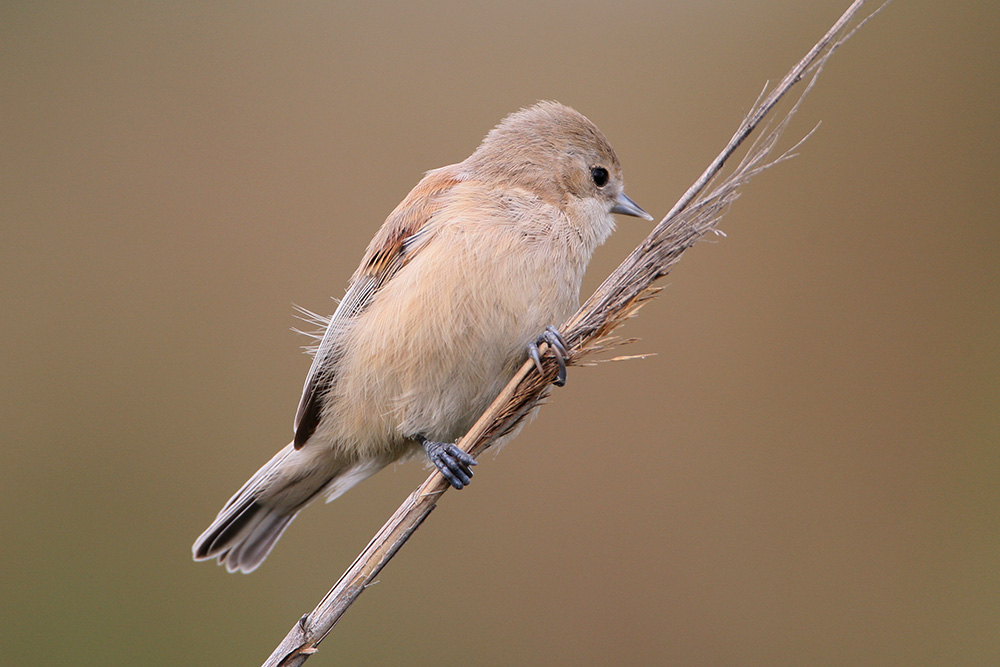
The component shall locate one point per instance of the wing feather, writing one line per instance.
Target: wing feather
(402, 235)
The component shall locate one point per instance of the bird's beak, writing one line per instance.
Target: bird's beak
(625, 206)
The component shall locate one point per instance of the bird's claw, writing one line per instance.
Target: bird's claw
(453, 463)
(556, 343)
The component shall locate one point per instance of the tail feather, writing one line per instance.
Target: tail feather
(250, 524)
(243, 535)
(230, 526)
(250, 553)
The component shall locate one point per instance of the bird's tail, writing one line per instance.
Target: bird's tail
(249, 525)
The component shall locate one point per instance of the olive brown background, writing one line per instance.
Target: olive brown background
(806, 473)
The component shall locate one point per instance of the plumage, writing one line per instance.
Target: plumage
(462, 277)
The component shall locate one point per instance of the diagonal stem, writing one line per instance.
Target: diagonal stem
(588, 331)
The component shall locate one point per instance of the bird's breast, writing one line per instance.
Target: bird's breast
(448, 331)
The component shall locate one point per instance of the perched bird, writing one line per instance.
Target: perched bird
(457, 289)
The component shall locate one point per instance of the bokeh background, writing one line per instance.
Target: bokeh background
(806, 473)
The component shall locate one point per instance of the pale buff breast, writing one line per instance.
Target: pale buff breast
(443, 337)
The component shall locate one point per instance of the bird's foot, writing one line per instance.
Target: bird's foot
(556, 343)
(452, 462)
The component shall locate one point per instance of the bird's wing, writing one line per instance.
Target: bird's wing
(402, 235)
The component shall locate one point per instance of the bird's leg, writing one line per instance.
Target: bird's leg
(556, 343)
(454, 464)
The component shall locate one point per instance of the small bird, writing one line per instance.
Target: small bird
(466, 277)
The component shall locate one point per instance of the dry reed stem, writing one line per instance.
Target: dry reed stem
(618, 298)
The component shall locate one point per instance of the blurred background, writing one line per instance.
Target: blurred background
(806, 473)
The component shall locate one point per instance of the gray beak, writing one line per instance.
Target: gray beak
(625, 206)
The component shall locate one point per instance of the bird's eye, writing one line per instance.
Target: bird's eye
(600, 176)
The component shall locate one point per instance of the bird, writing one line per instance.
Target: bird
(465, 279)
